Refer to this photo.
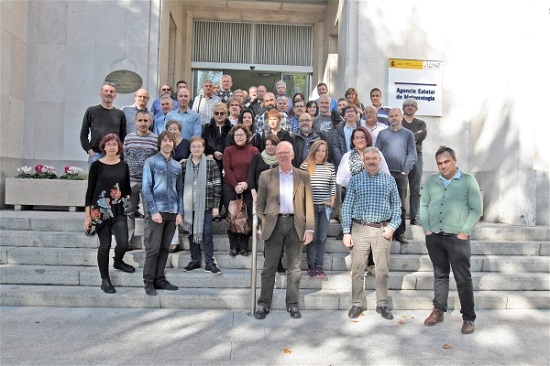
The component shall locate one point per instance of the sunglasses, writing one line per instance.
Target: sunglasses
(219, 113)
(166, 89)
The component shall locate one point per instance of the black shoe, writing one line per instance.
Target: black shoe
(129, 247)
(385, 312)
(261, 312)
(150, 289)
(139, 215)
(106, 286)
(212, 268)
(294, 312)
(165, 285)
(400, 238)
(120, 265)
(192, 266)
(355, 311)
(244, 253)
(416, 221)
(174, 249)
(233, 252)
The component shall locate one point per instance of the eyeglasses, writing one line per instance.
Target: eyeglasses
(219, 113)
(299, 106)
(351, 111)
(305, 120)
(409, 105)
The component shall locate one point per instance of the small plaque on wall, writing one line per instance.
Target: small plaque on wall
(126, 81)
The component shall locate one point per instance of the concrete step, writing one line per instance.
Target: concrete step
(76, 275)
(60, 239)
(72, 221)
(333, 261)
(214, 298)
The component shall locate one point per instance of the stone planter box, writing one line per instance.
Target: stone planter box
(45, 192)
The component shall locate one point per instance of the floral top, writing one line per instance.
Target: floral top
(108, 191)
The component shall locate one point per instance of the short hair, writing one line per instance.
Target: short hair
(344, 110)
(235, 99)
(167, 134)
(227, 76)
(396, 109)
(146, 112)
(273, 138)
(166, 96)
(324, 96)
(239, 126)
(321, 84)
(108, 83)
(365, 131)
(173, 122)
(220, 105)
(280, 82)
(443, 149)
(301, 95)
(197, 138)
(110, 137)
(274, 113)
(342, 100)
(372, 149)
(410, 101)
(207, 81)
(182, 82)
(375, 89)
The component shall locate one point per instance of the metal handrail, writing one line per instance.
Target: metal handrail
(254, 265)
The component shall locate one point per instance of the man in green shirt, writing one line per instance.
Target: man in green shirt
(450, 207)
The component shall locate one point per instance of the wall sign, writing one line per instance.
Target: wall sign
(417, 79)
(126, 81)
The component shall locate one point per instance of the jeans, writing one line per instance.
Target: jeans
(367, 240)
(207, 240)
(132, 209)
(284, 236)
(316, 249)
(402, 182)
(158, 243)
(93, 158)
(415, 179)
(448, 252)
(118, 228)
(328, 212)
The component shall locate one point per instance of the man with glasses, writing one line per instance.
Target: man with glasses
(204, 103)
(371, 122)
(299, 108)
(156, 108)
(141, 98)
(303, 139)
(285, 206)
(101, 120)
(235, 108)
(189, 119)
(418, 128)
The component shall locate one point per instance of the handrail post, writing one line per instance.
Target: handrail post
(254, 265)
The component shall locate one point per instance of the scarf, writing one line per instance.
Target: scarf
(269, 160)
(355, 162)
(196, 220)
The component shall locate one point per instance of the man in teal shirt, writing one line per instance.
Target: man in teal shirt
(450, 207)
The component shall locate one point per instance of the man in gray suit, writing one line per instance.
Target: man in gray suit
(285, 206)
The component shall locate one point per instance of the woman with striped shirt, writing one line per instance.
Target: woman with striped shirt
(323, 187)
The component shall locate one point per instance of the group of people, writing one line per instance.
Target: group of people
(292, 161)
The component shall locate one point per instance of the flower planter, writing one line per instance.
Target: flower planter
(45, 192)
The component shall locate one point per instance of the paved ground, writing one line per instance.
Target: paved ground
(99, 336)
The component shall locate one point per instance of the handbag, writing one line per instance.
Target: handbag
(237, 217)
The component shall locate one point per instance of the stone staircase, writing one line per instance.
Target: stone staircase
(46, 260)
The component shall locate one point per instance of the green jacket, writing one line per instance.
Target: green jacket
(452, 209)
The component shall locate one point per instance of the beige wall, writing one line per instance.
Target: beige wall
(494, 77)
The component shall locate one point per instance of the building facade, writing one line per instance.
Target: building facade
(56, 54)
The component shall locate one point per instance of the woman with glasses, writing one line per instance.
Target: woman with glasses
(323, 187)
(236, 163)
(106, 204)
(215, 135)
